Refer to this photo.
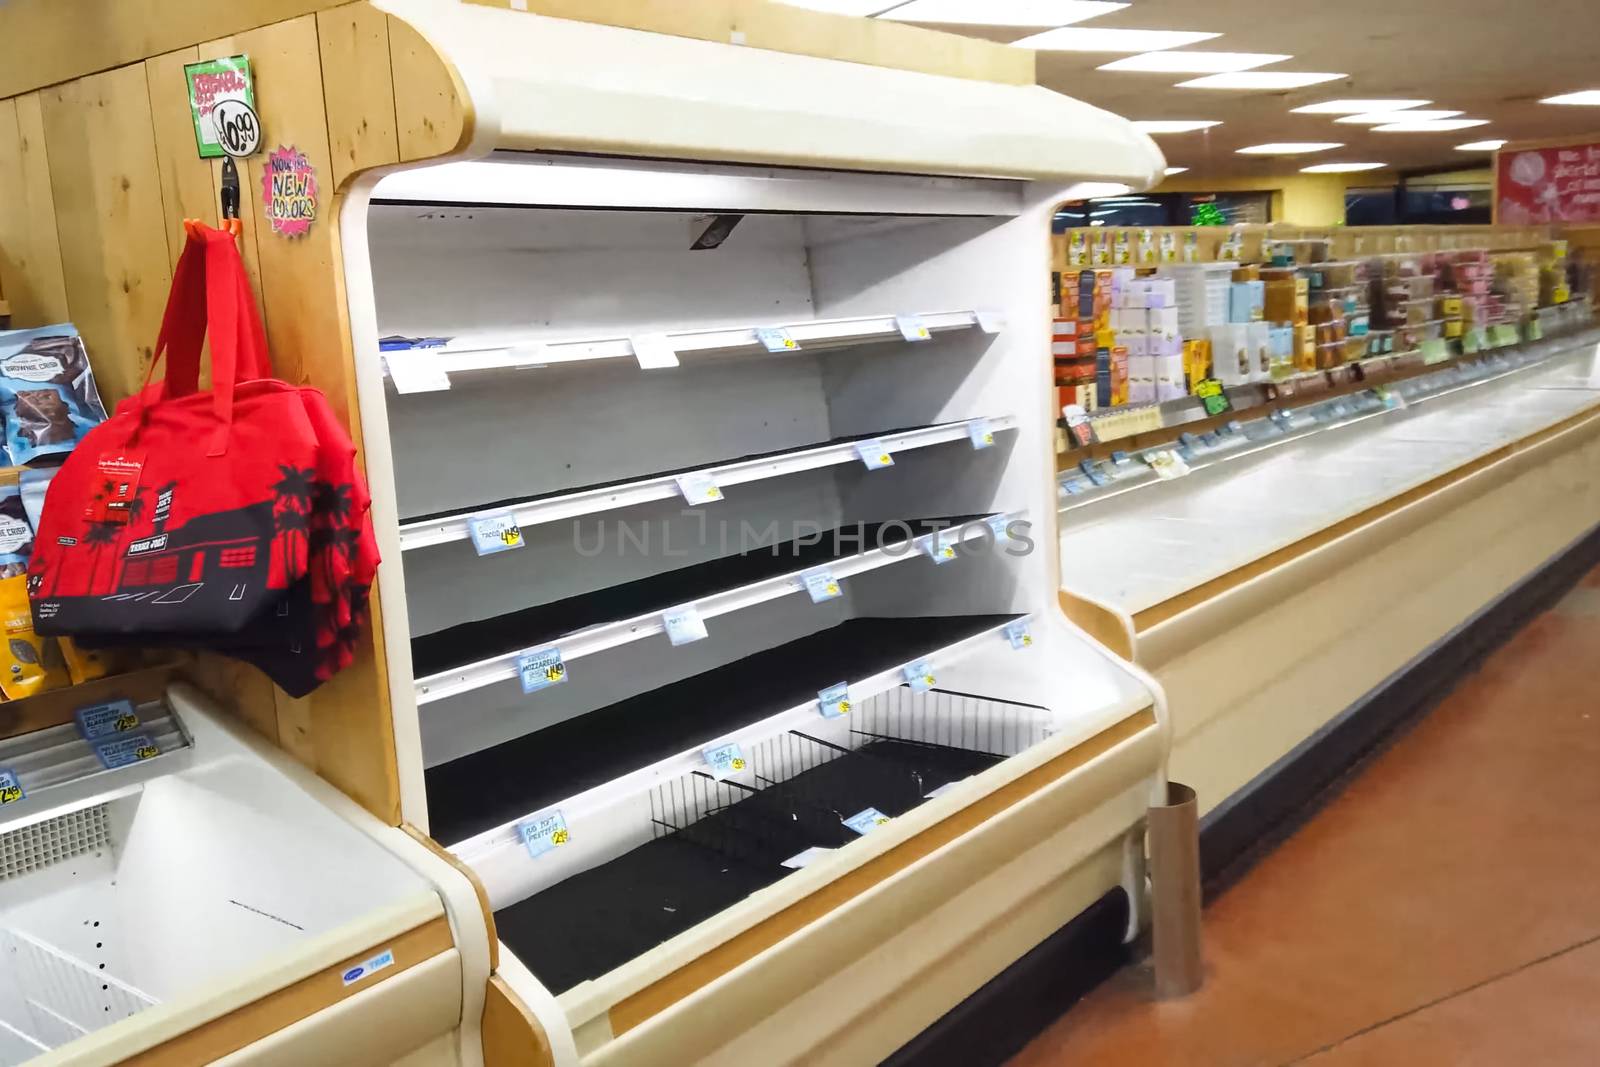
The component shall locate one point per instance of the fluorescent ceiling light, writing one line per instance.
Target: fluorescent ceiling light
(1182, 62)
(1093, 39)
(1587, 98)
(1260, 79)
(1481, 146)
(1175, 125)
(1340, 168)
(1357, 107)
(1289, 148)
(1176, 170)
(1095, 190)
(1039, 13)
(842, 7)
(1383, 118)
(1435, 126)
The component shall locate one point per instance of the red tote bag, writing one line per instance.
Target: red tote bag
(186, 511)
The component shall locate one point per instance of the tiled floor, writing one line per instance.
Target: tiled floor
(1444, 909)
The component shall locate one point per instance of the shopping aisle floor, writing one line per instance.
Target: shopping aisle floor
(1443, 909)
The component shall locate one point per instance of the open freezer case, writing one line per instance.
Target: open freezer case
(723, 640)
(156, 895)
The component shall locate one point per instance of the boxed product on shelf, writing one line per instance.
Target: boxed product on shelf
(1196, 361)
(1287, 298)
(1246, 301)
(1260, 341)
(1230, 353)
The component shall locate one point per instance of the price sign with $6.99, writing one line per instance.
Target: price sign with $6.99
(238, 127)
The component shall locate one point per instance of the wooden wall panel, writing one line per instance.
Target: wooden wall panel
(110, 219)
(432, 113)
(30, 254)
(356, 75)
(187, 191)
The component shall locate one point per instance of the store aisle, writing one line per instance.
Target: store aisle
(1441, 910)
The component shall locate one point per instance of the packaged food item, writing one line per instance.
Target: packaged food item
(29, 663)
(33, 484)
(16, 533)
(47, 391)
(84, 664)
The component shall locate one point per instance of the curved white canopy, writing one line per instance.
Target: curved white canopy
(540, 83)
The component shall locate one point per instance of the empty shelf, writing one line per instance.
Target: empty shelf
(476, 654)
(445, 527)
(465, 355)
(499, 785)
(56, 766)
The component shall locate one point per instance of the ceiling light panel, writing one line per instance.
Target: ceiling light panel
(1092, 39)
(1340, 168)
(1260, 80)
(1189, 62)
(1289, 148)
(1357, 107)
(1160, 126)
(1382, 118)
(1481, 146)
(1587, 98)
(1435, 126)
(1032, 13)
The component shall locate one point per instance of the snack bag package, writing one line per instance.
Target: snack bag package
(84, 664)
(33, 484)
(29, 663)
(16, 533)
(47, 392)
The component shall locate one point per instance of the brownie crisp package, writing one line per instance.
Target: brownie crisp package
(16, 533)
(47, 392)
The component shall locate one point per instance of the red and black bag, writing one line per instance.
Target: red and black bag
(234, 519)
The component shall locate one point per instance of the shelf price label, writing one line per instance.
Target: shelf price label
(980, 433)
(777, 339)
(653, 350)
(10, 787)
(684, 625)
(100, 720)
(835, 700)
(543, 833)
(1436, 350)
(494, 533)
(725, 761)
(1167, 464)
(822, 585)
(919, 676)
(416, 372)
(1535, 330)
(866, 820)
(126, 750)
(541, 670)
(1503, 335)
(912, 328)
(940, 549)
(1392, 400)
(1000, 526)
(990, 321)
(874, 454)
(699, 488)
(1019, 635)
(1475, 340)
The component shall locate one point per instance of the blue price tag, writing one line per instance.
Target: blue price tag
(698, 488)
(1073, 487)
(542, 669)
(835, 700)
(777, 339)
(102, 720)
(1018, 634)
(822, 585)
(544, 833)
(495, 533)
(873, 453)
(918, 675)
(1000, 526)
(684, 625)
(941, 548)
(866, 820)
(10, 787)
(979, 433)
(126, 750)
(724, 760)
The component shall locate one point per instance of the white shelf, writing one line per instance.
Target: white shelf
(57, 768)
(468, 355)
(595, 639)
(424, 533)
(475, 850)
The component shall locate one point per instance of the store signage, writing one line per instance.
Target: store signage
(684, 625)
(777, 339)
(918, 675)
(1215, 401)
(822, 585)
(238, 128)
(10, 787)
(1545, 185)
(980, 433)
(494, 533)
(835, 700)
(725, 761)
(698, 488)
(541, 670)
(289, 191)
(544, 833)
(214, 82)
(866, 820)
(873, 454)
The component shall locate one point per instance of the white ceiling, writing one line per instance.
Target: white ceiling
(1492, 59)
